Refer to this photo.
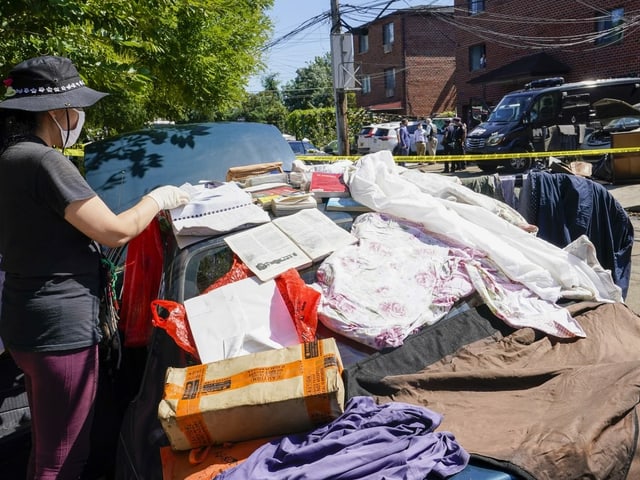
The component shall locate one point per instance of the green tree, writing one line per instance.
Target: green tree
(319, 124)
(183, 60)
(312, 87)
(265, 106)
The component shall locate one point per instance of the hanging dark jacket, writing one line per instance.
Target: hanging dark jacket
(565, 206)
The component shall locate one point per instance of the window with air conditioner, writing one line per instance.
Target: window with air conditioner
(390, 82)
(363, 43)
(476, 6)
(609, 27)
(387, 37)
(366, 84)
(477, 57)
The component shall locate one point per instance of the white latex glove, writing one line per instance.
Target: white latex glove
(169, 197)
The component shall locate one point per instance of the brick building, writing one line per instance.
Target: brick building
(406, 63)
(503, 44)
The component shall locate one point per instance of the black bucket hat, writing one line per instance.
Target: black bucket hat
(47, 83)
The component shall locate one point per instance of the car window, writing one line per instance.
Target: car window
(123, 168)
(631, 123)
(382, 132)
(510, 108)
(367, 131)
(297, 147)
(623, 123)
(205, 268)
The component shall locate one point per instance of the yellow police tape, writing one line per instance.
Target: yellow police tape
(476, 157)
(74, 152)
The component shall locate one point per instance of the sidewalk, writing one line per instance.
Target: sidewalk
(628, 195)
(633, 296)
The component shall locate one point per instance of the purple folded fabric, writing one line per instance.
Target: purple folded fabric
(392, 440)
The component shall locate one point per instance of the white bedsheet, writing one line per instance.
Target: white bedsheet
(401, 276)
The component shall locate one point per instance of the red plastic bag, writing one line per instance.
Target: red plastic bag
(238, 271)
(142, 275)
(175, 324)
(302, 303)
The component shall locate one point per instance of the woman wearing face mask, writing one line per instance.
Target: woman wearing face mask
(49, 219)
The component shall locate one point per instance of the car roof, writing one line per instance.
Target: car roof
(123, 168)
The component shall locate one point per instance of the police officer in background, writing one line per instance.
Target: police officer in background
(447, 143)
(459, 135)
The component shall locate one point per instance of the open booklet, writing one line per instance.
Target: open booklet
(292, 241)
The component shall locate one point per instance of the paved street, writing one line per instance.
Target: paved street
(627, 194)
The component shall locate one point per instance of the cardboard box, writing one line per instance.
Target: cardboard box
(626, 166)
(263, 394)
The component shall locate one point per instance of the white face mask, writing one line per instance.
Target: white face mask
(70, 137)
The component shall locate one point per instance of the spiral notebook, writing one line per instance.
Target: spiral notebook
(215, 209)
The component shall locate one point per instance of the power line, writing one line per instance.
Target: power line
(483, 26)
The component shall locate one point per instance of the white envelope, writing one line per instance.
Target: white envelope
(243, 317)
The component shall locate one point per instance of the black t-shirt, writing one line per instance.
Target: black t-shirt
(52, 269)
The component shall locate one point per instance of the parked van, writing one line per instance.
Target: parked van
(547, 115)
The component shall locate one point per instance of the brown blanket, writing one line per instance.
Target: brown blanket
(558, 409)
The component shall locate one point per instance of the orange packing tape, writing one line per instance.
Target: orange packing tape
(267, 393)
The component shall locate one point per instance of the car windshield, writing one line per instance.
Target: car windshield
(297, 147)
(300, 147)
(510, 108)
(122, 169)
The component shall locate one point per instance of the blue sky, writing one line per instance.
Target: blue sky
(299, 50)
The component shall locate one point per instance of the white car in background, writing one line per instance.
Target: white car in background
(365, 138)
(381, 136)
(385, 138)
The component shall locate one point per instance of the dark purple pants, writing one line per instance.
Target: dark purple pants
(61, 388)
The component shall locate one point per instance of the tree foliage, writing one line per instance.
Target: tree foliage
(182, 60)
(265, 106)
(312, 86)
(319, 124)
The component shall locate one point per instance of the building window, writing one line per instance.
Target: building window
(476, 6)
(363, 43)
(477, 57)
(390, 81)
(387, 37)
(609, 27)
(366, 84)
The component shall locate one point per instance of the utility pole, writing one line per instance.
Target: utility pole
(339, 92)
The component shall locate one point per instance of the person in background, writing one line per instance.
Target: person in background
(432, 140)
(447, 144)
(51, 219)
(405, 139)
(459, 136)
(420, 140)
